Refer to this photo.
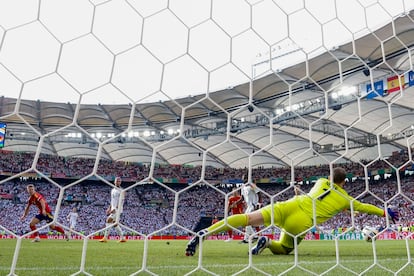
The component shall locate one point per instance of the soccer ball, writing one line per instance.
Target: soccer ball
(369, 233)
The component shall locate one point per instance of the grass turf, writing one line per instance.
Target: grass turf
(58, 257)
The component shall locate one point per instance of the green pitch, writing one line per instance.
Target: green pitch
(58, 257)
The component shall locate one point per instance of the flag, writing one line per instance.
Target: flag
(378, 89)
(394, 83)
(2, 134)
(411, 78)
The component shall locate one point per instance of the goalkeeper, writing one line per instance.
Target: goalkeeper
(295, 216)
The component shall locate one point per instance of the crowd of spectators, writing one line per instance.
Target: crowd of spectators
(76, 168)
(150, 206)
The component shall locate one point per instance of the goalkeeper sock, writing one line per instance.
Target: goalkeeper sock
(235, 221)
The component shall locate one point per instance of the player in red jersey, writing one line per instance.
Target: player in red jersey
(236, 206)
(214, 220)
(45, 212)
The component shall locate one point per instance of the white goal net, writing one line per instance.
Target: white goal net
(181, 99)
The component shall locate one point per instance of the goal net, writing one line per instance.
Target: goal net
(181, 99)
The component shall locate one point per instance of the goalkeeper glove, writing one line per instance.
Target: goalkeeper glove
(392, 213)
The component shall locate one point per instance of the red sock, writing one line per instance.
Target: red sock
(59, 229)
(230, 234)
(35, 234)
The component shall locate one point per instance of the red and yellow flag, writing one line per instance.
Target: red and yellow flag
(394, 84)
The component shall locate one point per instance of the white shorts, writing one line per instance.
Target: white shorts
(250, 208)
(113, 215)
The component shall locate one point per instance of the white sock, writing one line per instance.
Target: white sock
(249, 231)
(106, 230)
(120, 233)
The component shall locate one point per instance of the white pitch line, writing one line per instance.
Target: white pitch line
(266, 264)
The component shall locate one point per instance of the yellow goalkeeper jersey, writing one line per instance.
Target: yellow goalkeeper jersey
(331, 200)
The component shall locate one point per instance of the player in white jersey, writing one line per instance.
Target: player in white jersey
(72, 218)
(250, 195)
(114, 210)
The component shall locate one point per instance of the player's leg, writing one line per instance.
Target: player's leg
(249, 229)
(296, 222)
(120, 233)
(283, 246)
(235, 221)
(32, 226)
(57, 228)
(49, 218)
(109, 221)
(293, 220)
(230, 231)
(230, 235)
(60, 230)
(71, 228)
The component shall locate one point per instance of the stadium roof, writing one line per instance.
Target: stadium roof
(299, 115)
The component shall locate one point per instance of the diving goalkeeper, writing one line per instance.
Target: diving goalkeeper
(295, 216)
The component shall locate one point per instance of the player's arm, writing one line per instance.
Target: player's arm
(391, 212)
(234, 203)
(109, 209)
(297, 190)
(121, 201)
(230, 205)
(368, 208)
(43, 205)
(348, 211)
(26, 211)
(240, 200)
